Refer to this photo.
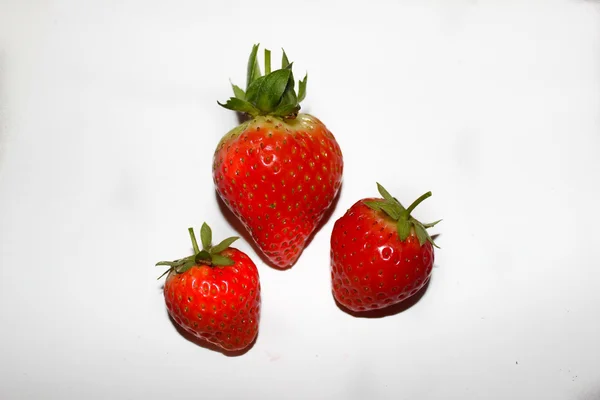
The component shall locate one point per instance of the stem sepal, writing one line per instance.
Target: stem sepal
(269, 94)
(405, 222)
(209, 255)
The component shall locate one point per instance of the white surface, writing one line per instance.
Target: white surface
(109, 122)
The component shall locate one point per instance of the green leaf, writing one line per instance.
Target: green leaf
(267, 62)
(205, 236)
(302, 88)
(202, 256)
(289, 87)
(289, 110)
(182, 268)
(373, 205)
(384, 193)
(417, 202)
(253, 68)
(173, 263)
(252, 91)
(403, 228)
(194, 242)
(391, 209)
(238, 92)
(421, 233)
(271, 91)
(218, 259)
(399, 204)
(284, 60)
(167, 263)
(432, 224)
(289, 102)
(223, 245)
(243, 106)
(164, 273)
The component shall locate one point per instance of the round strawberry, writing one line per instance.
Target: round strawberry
(279, 171)
(215, 293)
(380, 254)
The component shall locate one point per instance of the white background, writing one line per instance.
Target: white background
(108, 124)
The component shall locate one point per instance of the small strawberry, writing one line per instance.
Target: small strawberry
(215, 293)
(380, 254)
(279, 171)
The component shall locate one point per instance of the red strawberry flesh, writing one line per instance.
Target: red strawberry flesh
(279, 177)
(218, 304)
(371, 267)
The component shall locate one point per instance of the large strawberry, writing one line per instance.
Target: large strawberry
(215, 293)
(380, 254)
(279, 171)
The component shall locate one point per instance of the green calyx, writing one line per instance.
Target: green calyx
(404, 221)
(269, 94)
(209, 255)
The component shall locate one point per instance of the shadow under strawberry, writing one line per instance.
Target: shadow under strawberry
(209, 346)
(239, 227)
(387, 311)
(326, 216)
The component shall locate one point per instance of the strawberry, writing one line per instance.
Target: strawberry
(215, 293)
(279, 171)
(380, 254)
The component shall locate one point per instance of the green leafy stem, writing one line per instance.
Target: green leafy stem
(404, 221)
(209, 255)
(269, 94)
